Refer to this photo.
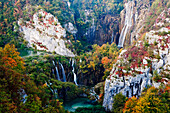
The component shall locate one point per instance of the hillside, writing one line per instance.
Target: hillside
(79, 56)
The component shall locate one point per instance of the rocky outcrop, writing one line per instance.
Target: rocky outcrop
(44, 32)
(134, 84)
(70, 28)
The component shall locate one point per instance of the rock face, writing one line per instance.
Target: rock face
(101, 30)
(70, 28)
(104, 30)
(132, 21)
(107, 30)
(133, 85)
(44, 32)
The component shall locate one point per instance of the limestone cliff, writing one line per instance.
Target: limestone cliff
(145, 63)
(44, 32)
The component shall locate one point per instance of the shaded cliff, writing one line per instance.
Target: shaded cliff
(107, 30)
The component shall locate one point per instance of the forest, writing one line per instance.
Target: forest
(55, 51)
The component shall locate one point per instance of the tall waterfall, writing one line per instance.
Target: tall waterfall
(90, 34)
(128, 22)
(57, 73)
(93, 27)
(112, 39)
(63, 72)
(75, 76)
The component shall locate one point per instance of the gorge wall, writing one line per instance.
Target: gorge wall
(145, 63)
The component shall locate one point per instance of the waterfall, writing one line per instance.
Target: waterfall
(55, 92)
(93, 27)
(128, 22)
(57, 73)
(112, 38)
(93, 93)
(147, 75)
(24, 95)
(52, 71)
(91, 32)
(63, 72)
(75, 76)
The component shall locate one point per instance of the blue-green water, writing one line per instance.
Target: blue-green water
(79, 102)
(24, 53)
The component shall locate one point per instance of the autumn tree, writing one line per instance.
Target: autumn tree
(152, 101)
(130, 104)
(98, 62)
(11, 68)
(10, 58)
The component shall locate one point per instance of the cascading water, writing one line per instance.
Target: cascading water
(53, 71)
(75, 76)
(57, 73)
(128, 22)
(93, 93)
(93, 28)
(63, 72)
(112, 38)
(55, 92)
(24, 95)
(90, 34)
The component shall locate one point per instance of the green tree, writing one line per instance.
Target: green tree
(119, 101)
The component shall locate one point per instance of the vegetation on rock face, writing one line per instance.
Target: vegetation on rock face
(156, 8)
(98, 63)
(132, 59)
(8, 16)
(31, 85)
(153, 100)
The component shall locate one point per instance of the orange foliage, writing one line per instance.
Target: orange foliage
(105, 60)
(10, 58)
(130, 104)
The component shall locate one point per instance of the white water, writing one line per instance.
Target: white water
(75, 76)
(93, 27)
(112, 37)
(55, 92)
(57, 73)
(128, 22)
(93, 93)
(63, 72)
(91, 31)
(24, 95)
